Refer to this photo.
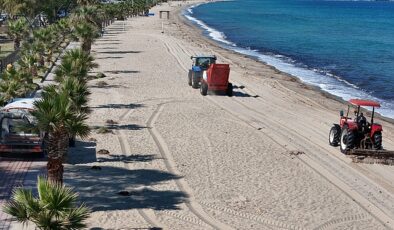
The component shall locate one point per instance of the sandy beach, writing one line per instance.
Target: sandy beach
(215, 162)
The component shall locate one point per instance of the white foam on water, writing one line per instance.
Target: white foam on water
(214, 34)
(326, 81)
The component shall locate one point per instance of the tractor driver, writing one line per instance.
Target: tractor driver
(362, 122)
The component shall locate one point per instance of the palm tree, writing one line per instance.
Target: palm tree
(78, 93)
(54, 208)
(63, 28)
(86, 14)
(86, 2)
(20, 7)
(56, 117)
(48, 40)
(28, 63)
(86, 34)
(75, 64)
(18, 30)
(15, 84)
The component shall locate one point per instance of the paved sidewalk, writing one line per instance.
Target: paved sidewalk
(17, 172)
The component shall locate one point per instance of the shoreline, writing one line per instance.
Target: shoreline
(198, 30)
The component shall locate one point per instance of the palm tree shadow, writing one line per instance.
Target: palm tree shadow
(128, 158)
(117, 188)
(118, 106)
(126, 127)
(119, 52)
(107, 43)
(82, 153)
(122, 71)
(108, 86)
(108, 40)
(110, 57)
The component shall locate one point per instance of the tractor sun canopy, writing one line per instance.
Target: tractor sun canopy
(359, 102)
(204, 56)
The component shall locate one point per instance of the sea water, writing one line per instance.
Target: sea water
(344, 47)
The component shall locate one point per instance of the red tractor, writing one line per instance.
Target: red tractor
(351, 134)
(216, 78)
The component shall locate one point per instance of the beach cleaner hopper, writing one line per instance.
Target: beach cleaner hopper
(359, 137)
(17, 134)
(216, 78)
(200, 64)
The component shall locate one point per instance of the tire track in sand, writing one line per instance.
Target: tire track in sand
(258, 218)
(169, 162)
(312, 163)
(149, 215)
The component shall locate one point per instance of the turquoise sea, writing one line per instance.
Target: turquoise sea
(344, 47)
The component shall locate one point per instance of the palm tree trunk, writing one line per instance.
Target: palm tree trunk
(17, 44)
(55, 170)
(86, 46)
(57, 151)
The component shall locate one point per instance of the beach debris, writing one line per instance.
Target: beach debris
(124, 193)
(111, 122)
(95, 167)
(101, 84)
(296, 153)
(100, 75)
(104, 130)
(92, 139)
(103, 152)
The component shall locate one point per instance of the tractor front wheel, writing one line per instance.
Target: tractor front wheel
(377, 140)
(347, 139)
(334, 136)
(189, 77)
(194, 83)
(204, 88)
(229, 90)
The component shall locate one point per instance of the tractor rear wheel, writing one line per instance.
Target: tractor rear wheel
(347, 139)
(334, 136)
(189, 77)
(229, 90)
(204, 88)
(377, 140)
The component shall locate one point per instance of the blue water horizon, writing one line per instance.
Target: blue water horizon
(344, 47)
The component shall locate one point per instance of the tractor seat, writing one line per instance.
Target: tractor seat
(363, 126)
